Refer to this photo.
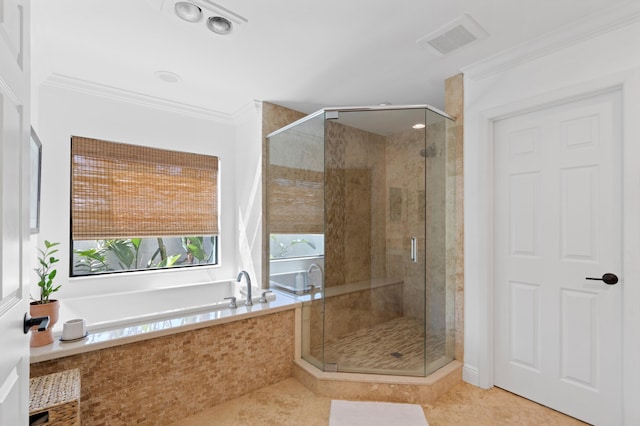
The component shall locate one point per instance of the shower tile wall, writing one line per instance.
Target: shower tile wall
(355, 199)
(405, 182)
(454, 106)
(334, 208)
(355, 202)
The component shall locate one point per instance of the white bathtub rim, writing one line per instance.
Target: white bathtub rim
(68, 313)
(148, 290)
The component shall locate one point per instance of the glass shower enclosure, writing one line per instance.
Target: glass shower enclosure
(361, 219)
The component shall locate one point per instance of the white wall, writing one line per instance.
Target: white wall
(248, 180)
(521, 79)
(63, 112)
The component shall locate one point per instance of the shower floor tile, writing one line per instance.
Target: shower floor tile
(393, 347)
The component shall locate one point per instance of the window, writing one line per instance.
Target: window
(288, 246)
(296, 200)
(136, 208)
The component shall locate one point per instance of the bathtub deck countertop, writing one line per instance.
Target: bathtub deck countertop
(100, 339)
(339, 290)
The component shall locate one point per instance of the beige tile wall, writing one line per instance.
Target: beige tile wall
(406, 186)
(355, 199)
(454, 106)
(165, 379)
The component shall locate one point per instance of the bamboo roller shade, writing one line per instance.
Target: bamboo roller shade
(296, 201)
(129, 191)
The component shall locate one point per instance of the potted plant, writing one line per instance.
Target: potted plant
(45, 306)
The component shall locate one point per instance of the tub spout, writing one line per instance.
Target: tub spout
(312, 284)
(249, 302)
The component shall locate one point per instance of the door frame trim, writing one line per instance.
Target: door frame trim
(479, 232)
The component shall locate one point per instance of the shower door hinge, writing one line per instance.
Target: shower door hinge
(332, 115)
(331, 367)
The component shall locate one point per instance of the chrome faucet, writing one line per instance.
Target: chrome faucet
(249, 302)
(309, 271)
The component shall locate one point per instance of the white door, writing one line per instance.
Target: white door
(14, 211)
(557, 222)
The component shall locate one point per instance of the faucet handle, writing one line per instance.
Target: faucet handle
(263, 298)
(232, 304)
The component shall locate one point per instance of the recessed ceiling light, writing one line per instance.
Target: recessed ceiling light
(168, 76)
(188, 11)
(207, 15)
(384, 104)
(220, 25)
(419, 126)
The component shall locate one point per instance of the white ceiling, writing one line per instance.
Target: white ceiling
(298, 53)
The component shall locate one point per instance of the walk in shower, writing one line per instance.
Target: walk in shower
(361, 220)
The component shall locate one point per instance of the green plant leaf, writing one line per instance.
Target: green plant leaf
(125, 251)
(212, 239)
(45, 272)
(48, 245)
(91, 260)
(169, 261)
(136, 242)
(195, 246)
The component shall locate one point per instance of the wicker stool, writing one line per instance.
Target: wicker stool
(54, 399)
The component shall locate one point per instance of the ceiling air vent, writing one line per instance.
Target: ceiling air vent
(452, 36)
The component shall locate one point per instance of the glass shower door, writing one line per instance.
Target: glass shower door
(440, 232)
(295, 222)
(374, 301)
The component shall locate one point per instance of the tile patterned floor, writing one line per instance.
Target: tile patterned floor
(290, 403)
(396, 346)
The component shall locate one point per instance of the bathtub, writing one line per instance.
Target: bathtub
(118, 309)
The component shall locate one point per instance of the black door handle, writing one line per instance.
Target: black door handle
(41, 322)
(608, 278)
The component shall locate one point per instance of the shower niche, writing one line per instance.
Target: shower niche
(361, 219)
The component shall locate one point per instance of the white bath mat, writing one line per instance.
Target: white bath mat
(355, 413)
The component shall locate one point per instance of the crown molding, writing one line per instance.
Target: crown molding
(592, 26)
(248, 111)
(66, 82)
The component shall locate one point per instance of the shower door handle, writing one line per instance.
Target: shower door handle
(414, 249)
